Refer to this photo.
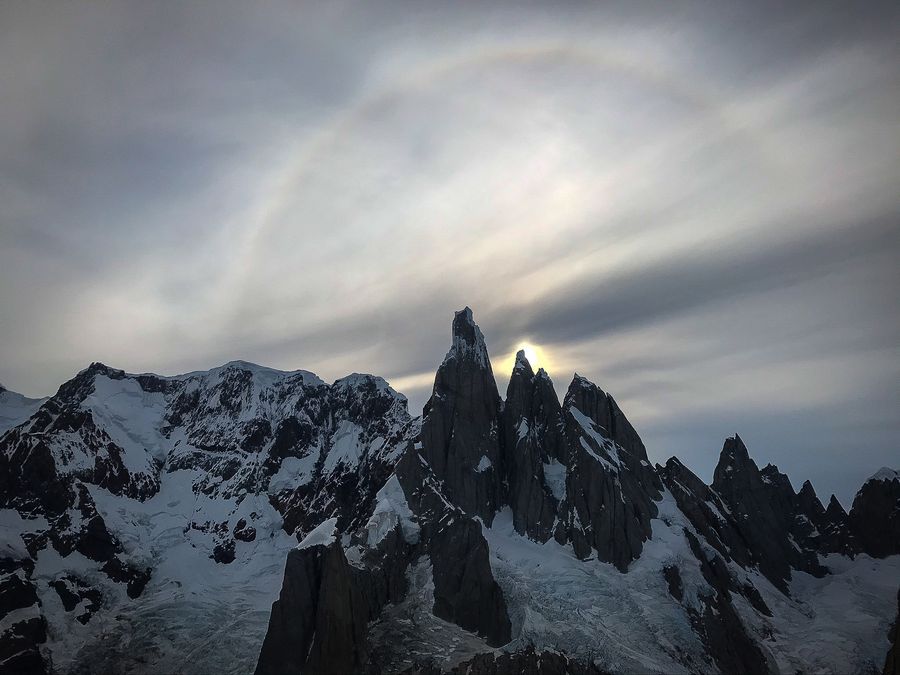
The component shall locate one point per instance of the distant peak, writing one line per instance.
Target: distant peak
(257, 371)
(364, 383)
(98, 368)
(247, 365)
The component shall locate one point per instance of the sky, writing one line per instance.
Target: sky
(693, 205)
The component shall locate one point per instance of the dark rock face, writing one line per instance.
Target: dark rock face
(21, 639)
(534, 451)
(672, 576)
(874, 518)
(318, 622)
(809, 505)
(465, 592)
(72, 591)
(765, 509)
(243, 531)
(223, 552)
(461, 426)
(19, 652)
(706, 511)
(15, 593)
(611, 486)
(834, 533)
(719, 625)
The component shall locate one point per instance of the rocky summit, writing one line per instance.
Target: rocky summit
(245, 520)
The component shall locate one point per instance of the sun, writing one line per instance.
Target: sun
(537, 356)
(531, 353)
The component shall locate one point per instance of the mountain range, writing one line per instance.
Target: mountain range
(245, 519)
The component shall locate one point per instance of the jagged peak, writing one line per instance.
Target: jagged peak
(673, 461)
(734, 458)
(772, 475)
(807, 489)
(580, 381)
(835, 507)
(578, 384)
(735, 448)
(522, 364)
(465, 314)
(468, 340)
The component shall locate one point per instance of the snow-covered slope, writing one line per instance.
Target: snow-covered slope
(150, 516)
(15, 408)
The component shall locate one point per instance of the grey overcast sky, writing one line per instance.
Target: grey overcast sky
(694, 205)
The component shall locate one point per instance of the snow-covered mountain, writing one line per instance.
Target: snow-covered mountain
(15, 408)
(149, 524)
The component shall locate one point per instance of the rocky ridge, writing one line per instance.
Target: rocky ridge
(575, 478)
(487, 536)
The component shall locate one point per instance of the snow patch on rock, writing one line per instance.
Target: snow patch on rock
(555, 479)
(323, 535)
(391, 509)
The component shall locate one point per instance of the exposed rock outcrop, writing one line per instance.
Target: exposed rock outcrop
(611, 486)
(718, 623)
(318, 624)
(706, 511)
(874, 518)
(835, 535)
(461, 423)
(765, 508)
(536, 453)
(892, 662)
(465, 591)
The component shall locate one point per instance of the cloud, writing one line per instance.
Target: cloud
(697, 210)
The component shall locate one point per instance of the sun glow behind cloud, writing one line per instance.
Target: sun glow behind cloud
(537, 356)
